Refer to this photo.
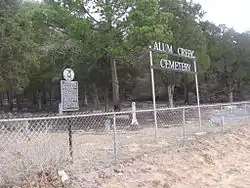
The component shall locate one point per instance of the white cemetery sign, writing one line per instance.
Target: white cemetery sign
(166, 48)
(69, 92)
(170, 65)
(174, 65)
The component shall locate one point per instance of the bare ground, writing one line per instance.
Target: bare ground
(221, 161)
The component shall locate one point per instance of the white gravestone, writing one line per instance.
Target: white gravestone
(134, 119)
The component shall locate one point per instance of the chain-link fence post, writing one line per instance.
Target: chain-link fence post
(156, 126)
(222, 118)
(115, 137)
(70, 139)
(245, 112)
(184, 126)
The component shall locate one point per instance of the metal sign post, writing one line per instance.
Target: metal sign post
(153, 91)
(169, 65)
(69, 100)
(197, 92)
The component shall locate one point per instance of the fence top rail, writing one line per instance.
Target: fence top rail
(108, 114)
(205, 105)
(118, 113)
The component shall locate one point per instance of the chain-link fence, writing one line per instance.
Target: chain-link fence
(28, 145)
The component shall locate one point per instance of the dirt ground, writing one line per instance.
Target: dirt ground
(221, 160)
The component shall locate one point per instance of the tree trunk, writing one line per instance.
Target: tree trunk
(85, 101)
(230, 88)
(34, 100)
(171, 95)
(231, 96)
(106, 97)
(186, 95)
(95, 96)
(206, 88)
(39, 100)
(186, 90)
(18, 102)
(44, 97)
(115, 85)
(1, 99)
(51, 96)
(10, 100)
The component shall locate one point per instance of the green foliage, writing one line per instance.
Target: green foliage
(147, 23)
(18, 49)
(38, 40)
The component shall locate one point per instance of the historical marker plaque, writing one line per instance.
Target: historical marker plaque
(69, 95)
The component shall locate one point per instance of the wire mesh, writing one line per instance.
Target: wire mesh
(29, 144)
(92, 138)
(137, 137)
(170, 126)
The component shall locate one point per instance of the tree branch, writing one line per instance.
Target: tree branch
(87, 12)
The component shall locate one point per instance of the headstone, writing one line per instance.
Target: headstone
(134, 119)
(107, 125)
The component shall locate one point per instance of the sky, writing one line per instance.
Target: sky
(233, 13)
